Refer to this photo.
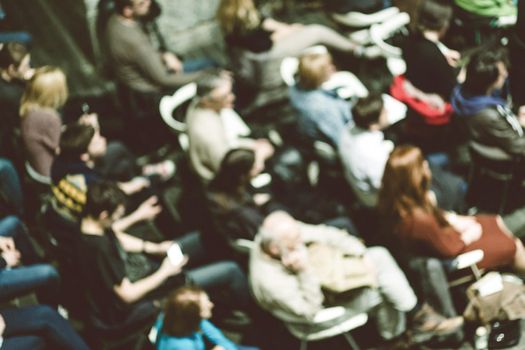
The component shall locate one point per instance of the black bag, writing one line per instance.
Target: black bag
(504, 334)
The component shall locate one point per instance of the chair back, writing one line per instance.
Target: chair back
(172, 111)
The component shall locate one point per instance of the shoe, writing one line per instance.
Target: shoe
(427, 323)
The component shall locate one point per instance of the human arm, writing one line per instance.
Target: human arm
(130, 292)
(332, 236)
(495, 129)
(133, 244)
(423, 228)
(134, 185)
(216, 337)
(151, 64)
(149, 209)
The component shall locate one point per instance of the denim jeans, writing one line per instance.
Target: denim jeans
(197, 64)
(212, 276)
(24, 324)
(40, 278)
(10, 188)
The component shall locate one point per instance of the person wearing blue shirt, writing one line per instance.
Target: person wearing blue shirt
(322, 114)
(184, 324)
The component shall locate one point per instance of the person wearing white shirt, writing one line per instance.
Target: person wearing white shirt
(363, 149)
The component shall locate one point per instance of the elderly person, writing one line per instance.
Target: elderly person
(212, 133)
(284, 279)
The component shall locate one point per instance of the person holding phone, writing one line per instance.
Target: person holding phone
(119, 299)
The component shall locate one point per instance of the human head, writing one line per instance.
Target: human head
(237, 15)
(132, 9)
(486, 72)
(314, 69)
(15, 61)
(82, 141)
(235, 171)
(406, 182)
(184, 310)
(369, 112)
(214, 91)
(104, 203)
(46, 89)
(434, 15)
(280, 236)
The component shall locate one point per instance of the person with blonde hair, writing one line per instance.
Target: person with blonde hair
(44, 95)
(244, 27)
(185, 323)
(322, 114)
(407, 204)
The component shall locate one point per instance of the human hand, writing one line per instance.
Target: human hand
(295, 260)
(90, 119)
(172, 62)
(168, 269)
(7, 244)
(162, 247)
(452, 57)
(149, 209)
(11, 257)
(134, 185)
(2, 325)
(435, 101)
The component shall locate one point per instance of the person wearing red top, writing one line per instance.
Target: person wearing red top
(424, 229)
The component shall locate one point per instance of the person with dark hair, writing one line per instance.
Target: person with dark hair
(496, 133)
(430, 76)
(85, 157)
(363, 150)
(185, 323)
(103, 251)
(410, 211)
(15, 71)
(137, 63)
(214, 128)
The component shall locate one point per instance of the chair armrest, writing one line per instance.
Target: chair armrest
(242, 245)
(328, 314)
(467, 259)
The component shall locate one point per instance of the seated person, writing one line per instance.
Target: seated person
(236, 211)
(211, 134)
(495, 131)
(185, 323)
(410, 211)
(244, 27)
(15, 71)
(284, 280)
(322, 114)
(37, 327)
(364, 152)
(73, 170)
(44, 95)
(102, 250)
(363, 149)
(431, 75)
(137, 63)
(21, 270)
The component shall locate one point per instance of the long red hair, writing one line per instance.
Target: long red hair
(405, 186)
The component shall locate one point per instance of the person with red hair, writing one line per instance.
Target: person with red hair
(410, 208)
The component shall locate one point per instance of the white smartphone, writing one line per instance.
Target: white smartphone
(175, 254)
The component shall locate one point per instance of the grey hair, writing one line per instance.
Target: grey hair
(209, 82)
